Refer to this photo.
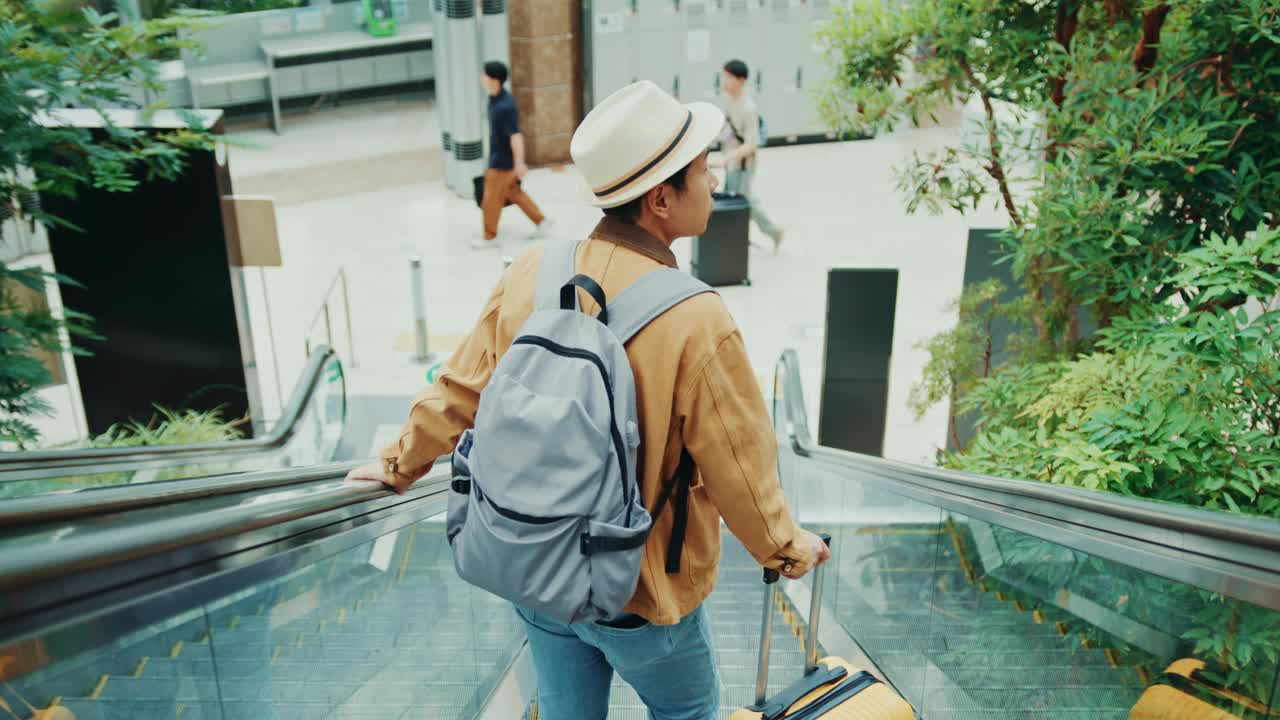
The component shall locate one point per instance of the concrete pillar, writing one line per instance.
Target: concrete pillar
(495, 39)
(546, 74)
(443, 82)
(467, 100)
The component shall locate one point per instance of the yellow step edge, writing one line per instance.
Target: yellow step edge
(175, 651)
(101, 685)
(140, 667)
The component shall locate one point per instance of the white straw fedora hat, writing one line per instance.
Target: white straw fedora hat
(637, 138)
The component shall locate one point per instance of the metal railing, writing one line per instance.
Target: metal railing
(1234, 555)
(29, 464)
(325, 312)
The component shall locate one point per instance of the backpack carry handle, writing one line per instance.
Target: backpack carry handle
(569, 295)
(766, 626)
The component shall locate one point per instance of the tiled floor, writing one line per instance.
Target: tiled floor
(838, 202)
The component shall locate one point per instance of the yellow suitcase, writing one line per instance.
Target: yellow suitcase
(1170, 700)
(831, 688)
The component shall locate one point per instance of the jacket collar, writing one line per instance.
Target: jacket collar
(635, 238)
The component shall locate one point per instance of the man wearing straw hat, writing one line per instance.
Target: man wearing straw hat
(644, 157)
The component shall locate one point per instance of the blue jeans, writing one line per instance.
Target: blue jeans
(740, 182)
(672, 668)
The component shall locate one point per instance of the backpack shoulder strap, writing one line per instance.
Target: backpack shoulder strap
(556, 267)
(734, 129)
(649, 297)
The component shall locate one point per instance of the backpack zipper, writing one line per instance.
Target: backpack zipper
(516, 515)
(618, 447)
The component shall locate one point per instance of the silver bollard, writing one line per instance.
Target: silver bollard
(420, 352)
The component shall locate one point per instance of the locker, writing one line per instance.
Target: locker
(609, 63)
(818, 71)
(657, 57)
(699, 79)
(790, 104)
(735, 36)
(654, 15)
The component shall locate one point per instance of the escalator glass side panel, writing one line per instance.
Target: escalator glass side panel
(313, 440)
(380, 630)
(973, 620)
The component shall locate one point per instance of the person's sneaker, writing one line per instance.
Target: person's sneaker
(540, 231)
(481, 244)
(777, 241)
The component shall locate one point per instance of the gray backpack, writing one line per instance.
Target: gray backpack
(545, 508)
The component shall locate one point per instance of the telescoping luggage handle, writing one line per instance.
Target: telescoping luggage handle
(766, 627)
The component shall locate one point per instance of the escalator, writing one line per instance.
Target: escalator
(987, 598)
(307, 433)
(289, 595)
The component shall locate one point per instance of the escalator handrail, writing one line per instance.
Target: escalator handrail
(1156, 518)
(50, 507)
(277, 437)
(131, 541)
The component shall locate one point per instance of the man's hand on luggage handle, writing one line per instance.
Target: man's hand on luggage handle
(811, 552)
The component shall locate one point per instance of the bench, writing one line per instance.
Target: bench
(225, 74)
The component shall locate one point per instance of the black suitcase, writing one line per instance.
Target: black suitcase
(478, 183)
(721, 255)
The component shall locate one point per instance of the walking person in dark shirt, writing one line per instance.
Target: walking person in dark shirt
(506, 160)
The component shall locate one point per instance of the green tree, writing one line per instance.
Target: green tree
(1135, 146)
(54, 56)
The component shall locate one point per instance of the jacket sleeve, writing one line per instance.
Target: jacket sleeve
(729, 435)
(443, 411)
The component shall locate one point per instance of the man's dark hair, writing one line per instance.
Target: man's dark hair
(737, 68)
(630, 212)
(496, 70)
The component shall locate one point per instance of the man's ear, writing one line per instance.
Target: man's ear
(659, 201)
